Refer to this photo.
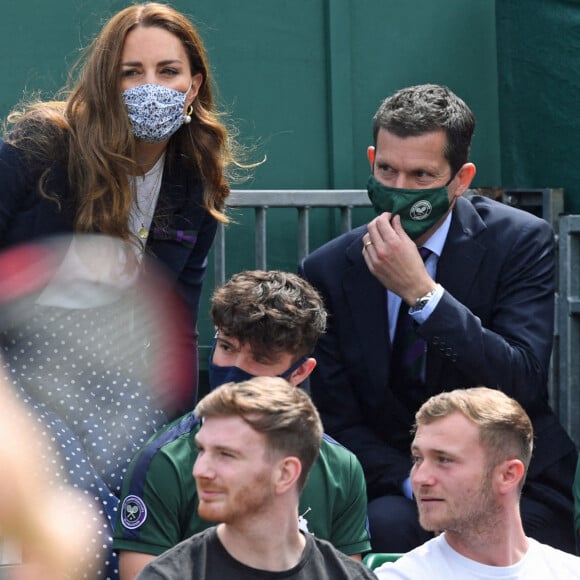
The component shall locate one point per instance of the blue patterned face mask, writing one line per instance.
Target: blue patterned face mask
(220, 375)
(155, 111)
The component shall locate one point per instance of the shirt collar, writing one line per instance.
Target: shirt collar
(436, 242)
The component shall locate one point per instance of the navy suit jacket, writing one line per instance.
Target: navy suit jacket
(492, 327)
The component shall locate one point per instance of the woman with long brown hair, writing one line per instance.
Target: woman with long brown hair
(135, 151)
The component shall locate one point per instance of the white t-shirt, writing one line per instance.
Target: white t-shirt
(436, 560)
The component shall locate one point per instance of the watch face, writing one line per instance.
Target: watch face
(421, 302)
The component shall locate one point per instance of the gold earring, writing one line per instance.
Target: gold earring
(187, 116)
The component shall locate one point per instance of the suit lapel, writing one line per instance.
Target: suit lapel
(364, 295)
(458, 266)
(462, 254)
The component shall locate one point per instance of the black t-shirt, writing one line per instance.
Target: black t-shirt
(203, 557)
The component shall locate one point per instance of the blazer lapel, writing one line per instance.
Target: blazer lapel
(462, 254)
(365, 294)
(175, 206)
(459, 264)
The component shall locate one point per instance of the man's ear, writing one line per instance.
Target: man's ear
(302, 372)
(509, 474)
(286, 474)
(371, 157)
(464, 177)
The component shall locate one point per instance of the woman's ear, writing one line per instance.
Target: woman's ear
(196, 83)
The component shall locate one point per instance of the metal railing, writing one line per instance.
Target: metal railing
(568, 323)
(548, 203)
(300, 199)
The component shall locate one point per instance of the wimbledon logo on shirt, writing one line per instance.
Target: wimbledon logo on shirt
(133, 512)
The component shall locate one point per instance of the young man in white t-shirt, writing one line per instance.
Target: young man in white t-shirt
(471, 451)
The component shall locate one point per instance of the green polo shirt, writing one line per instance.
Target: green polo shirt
(158, 507)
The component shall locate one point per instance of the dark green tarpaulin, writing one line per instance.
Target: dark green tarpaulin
(539, 94)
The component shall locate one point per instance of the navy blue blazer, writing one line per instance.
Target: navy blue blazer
(493, 327)
(25, 215)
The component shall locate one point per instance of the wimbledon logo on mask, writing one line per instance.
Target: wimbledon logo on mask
(420, 210)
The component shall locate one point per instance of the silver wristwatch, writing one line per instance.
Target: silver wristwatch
(421, 302)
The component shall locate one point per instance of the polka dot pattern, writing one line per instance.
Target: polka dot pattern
(89, 402)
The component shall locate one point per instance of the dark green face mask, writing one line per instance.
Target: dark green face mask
(420, 209)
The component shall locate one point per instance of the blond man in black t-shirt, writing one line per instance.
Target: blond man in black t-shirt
(257, 442)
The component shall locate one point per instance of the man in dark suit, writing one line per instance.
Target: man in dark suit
(476, 282)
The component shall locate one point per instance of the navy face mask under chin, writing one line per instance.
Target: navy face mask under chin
(221, 375)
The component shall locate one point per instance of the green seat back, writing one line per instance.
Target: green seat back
(375, 559)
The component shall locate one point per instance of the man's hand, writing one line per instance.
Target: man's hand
(393, 258)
